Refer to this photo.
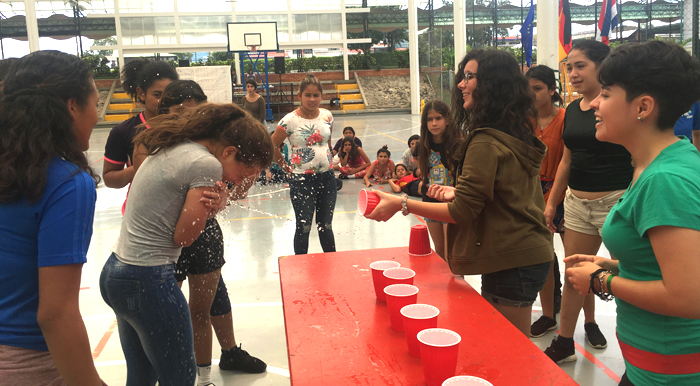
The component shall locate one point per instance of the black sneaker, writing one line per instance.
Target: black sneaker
(561, 350)
(343, 176)
(594, 337)
(239, 359)
(542, 325)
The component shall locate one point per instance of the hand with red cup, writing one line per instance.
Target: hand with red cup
(378, 278)
(466, 380)
(438, 351)
(398, 296)
(419, 242)
(416, 318)
(366, 202)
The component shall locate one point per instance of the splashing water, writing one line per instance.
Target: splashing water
(262, 212)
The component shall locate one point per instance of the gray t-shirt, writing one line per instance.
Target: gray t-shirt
(155, 202)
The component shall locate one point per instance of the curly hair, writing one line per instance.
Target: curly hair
(502, 96)
(141, 73)
(451, 137)
(663, 70)
(35, 124)
(226, 124)
(179, 91)
(459, 114)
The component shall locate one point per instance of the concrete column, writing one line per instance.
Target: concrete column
(413, 56)
(548, 33)
(460, 26)
(32, 25)
(346, 67)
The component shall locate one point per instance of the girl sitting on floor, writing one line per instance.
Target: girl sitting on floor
(382, 169)
(353, 160)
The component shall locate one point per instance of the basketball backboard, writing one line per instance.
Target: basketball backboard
(243, 35)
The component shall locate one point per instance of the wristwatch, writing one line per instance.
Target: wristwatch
(404, 204)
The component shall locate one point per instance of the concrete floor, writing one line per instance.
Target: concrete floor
(260, 229)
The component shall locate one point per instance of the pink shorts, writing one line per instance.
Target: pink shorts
(21, 367)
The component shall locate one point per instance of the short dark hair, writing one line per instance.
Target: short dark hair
(414, 137)
(665, 71)
(594, 50)
(251, 82)
(179, 91)
(546, 75)
(349, 128)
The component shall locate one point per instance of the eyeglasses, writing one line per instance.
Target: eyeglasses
(469, 76)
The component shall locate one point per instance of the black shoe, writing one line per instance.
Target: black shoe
(542, 325)
(239, 359)
(561, 350)
(594, 337)
(338, 183)
(343, 176)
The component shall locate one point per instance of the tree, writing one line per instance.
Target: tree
(109, 41)
(220, 56)
(395, 37)
(184, 55)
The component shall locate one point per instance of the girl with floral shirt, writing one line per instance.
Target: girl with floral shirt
(312, 183)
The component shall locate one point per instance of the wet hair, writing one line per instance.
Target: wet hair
(353, 151)
(594, 50)
(226, 124)
(309, 80)
(35, 124)
(546, 75)
(142, 73)
(502, 97)
(5, 65)
(384, 149)
(665, 71)
(346, 128)
(414, 137)
(179, 91)
(252, 82)
(451, 137)
(458, 112)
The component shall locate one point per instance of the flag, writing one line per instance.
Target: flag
(526, 35)
(607, 20)
(564, 29)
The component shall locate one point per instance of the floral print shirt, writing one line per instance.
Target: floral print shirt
(309, 139)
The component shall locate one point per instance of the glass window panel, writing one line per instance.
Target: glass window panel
(321, 26)
(261, 5)
(12, 9)
(282, 24)
(203, 5)
(313, 25)
(203, 29)
(165, 30)
(336, 26)
(316, 4)
(145, 6)
(148, 30)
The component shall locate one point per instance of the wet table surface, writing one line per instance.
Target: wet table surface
(339, 334)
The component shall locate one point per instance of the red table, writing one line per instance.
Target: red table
(339, 334)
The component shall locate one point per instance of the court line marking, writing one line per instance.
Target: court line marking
(387, 135)
(597, 362)
(280, 216)
(103, 342)
(270, 369)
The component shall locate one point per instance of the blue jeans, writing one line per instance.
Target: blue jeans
(313, 193)
(515, 287)
(154, 322)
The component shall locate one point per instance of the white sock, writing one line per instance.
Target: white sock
(204, 375)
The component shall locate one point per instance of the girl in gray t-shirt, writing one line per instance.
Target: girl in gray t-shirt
(188, 154)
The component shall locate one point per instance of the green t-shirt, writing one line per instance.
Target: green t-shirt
(667, 193)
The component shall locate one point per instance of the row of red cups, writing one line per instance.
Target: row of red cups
(437, 347)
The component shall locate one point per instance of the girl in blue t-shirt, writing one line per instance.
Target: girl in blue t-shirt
(47, 204)
(654, 229)
(438, 137)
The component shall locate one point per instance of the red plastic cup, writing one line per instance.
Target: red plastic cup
(366, 202)
(378, 278)
(438, 351)
(466, 380)
(419, 241)
(398, 296)
(416, 318)
(400, 275)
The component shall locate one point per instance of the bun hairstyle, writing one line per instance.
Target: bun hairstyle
(546, 75)
(226, 124)
(309, 80)
(35, 124)
(384, 149)
(142, 73)
(179, 91)
(252, 82)
(663, 70)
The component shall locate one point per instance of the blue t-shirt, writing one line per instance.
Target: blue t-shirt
(688, 122)
(56, 230)
(667, 193)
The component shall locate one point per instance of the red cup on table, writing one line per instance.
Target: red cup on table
(466, 380)
(366, 202)
(399, 275)
(416, 318)
(419, 241)
(378, 278)
(398, 296)
(438, 351)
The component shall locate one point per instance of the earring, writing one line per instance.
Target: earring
(640, 119)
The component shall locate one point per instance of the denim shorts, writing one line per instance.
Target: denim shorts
(588, 216)
(515, 287)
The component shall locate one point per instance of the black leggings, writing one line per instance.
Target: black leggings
(313, 193)
(625, 381)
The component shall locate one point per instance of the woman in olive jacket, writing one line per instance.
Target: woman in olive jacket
(495, 212)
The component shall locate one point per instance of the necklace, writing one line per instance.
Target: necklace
(542, 127)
